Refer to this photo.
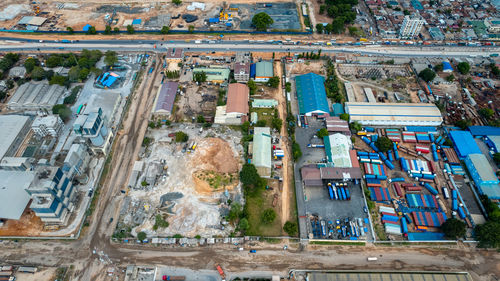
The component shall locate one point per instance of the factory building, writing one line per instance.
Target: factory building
(35, 96)
(311, 94)
(464, 144)
(164, 102)
(15, 163)
(14, 129)
(13, 196)
(261, 151)
(483, 175)
(235, 111)
(263, 71)
(394, 114)
(93, 127)
(50, 125)
(337, 148)
(76, 160)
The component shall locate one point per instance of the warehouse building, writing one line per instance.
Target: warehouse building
(13, 197)
(263, 71)
(235, 111)
(464, 143)
(394, 114)
(35, 96)
(311, 94)
(337, 125)
(214, 74)
(482, 131)
(387, 276)
(16, 163)
(261, 151)
(337, 147)
(14, 129)
(50, 125)
(164, 102)
(483, 175)
(264, 103)
(493, 142)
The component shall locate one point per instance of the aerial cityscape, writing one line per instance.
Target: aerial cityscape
(303, 140)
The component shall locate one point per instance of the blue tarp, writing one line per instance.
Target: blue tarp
(137, 21)
(425, 236)
(110, 81)
(86, 27)
(447, 66)
(213, 20)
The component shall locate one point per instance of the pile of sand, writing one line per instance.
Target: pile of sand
(215, 154)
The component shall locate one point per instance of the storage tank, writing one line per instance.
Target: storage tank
(431, 189)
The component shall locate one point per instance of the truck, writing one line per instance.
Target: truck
(173, 278)
(197, 41)
(221, 272)
(66, 41)
(371, 259)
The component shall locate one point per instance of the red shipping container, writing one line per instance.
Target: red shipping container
(397, 188)
(428, 217)
(413, 189)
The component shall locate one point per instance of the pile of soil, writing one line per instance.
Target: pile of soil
(215, 154)
(28, 225)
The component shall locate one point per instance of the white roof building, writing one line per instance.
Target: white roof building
(14, 129)
(13, 197)
(261, 158)
(35, 96)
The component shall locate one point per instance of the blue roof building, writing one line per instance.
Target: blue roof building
(417, 5)
(464, 143)
(338, 109)
(86, 27)
(493, 142)
(483, 175)
(447, 67)
(311, 94)
(481, 131)
(136, 22)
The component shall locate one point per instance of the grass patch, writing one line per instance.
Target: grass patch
(379, 230)
(337, 243)
(255, 206)
(265, 114)
(272, 240)
(217, 180)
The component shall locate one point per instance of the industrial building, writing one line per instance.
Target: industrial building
(411, 26)
(263, 71)
(13, 196)
(165, 98)
(261, 151)
(235, 111)
(14, 129)
(50, 125)
(493, 142)
(35, 96)
(387, 276)
(16, 163)
(483, 175)
(464, 143)
(93, 127)
(350, 92)
(214, 74)
(17, 72)
(264, 103)
(369, 95)
(241, 72)
(311, 94)
(482, 131)
(76, 160)
(394, 114)
(337, 147)
(337, 125)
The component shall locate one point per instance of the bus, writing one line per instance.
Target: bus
(80, 108)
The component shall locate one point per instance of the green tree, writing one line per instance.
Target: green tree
(252, 86)
(383, 144)
(291, 228)
(427, 75)
(496, 158)
(355, 126)
(243, 225)
(130, 29)
(116, 30)
(268, 216)
(54, 61)
(110, 58)
(74, 73)
(59, 80)
(486, 112)
(438, 67)
(160, 222)
(262, 21)
(37, 73)
(107, 30)
(319, 28)
(165, 30)
(3, 95)
(200, 119)
(274, 82)
(177, 2)
(288, 87)
(277, 123)
(463, 123)
(249, 175)
(91, 31)
(463, 67)
(261, 123)
(450, 78)
(145, 142)
(494, 69)
(296, 151)
(141, 236)
(84, 73)
(245, 126)
(406, 12)
(30, 64)
(234, 212)
(200, 76)
(344, 116)
(180, 136)
(488, 234)
(453, 228)
(63, 111)
(321, 133)
(191, 28)
(70, 30)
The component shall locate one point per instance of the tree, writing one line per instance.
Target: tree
(70, 30)
(191, 28)
(277, 123)
(160, 222)
(488, 234)
(37, 73)
(48, 74)
(116, 30)
(252, 86)
(406, 12)
(180, 136)
(463, 123)
(427, 75)
(141, 236)
(249, 175)
(3, 95)
(268, 216)
(453, 228)
(319, 28)
(486, 113)
(91, 31)
(291, 228)
(338, 25)
(296, 151)
(177, 2)
(383, 144)
(54, 61)
(235, 212)
(84, 73)
(450, 78)
(74, 73)
(165, 30)
(30, 64)
(110, 58)
(463, 67)
(321, 133)
(244, 225)
(344, 116)
(274, 82)
(496, 158)
(59, 80)
(245, 126)
(130, 29)
(288, 87)
(494, 69)
(262, 21)
(200, 119)
(438, 67)
(63, 111)
(261, 123)
(107, 30)
(200, 76)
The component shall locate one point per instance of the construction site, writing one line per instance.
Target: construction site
(188, 184)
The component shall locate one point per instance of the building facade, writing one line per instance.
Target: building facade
(483, 175)
(93, 126)
(14, 129)
(411, 26)
(242, 72)
(50, 125)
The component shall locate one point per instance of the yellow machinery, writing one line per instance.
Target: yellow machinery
(36, 9)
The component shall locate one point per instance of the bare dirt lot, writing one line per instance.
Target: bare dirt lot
(28, 225)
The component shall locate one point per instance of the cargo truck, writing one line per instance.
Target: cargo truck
(173, 278)
(221, 272)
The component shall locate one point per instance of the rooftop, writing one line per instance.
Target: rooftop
(214, 73)
(10, 126)
(388, 276)
(30, 20)
(412, 112)
(241, 68)
(484, 131)
(237, 98)
(264, 69)
(174, 53)
(13, 197)
(483, 167)
(311, 93)
(464, 143)
(35, 95)
(262, 147)
(337, 148)
(166, 97)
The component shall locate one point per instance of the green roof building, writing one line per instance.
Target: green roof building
(263, 71)
(261, 154)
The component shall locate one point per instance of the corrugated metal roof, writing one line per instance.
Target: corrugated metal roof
(464, 143)
(396, 112)
(387, 276)
(483, 167)
(237, 98)
(311, 94)
(264, 69)
(10, 126)
(484, 131)
(13, 196)
(166, 97)
(262, 147)
(337, 150)
(214, 73)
